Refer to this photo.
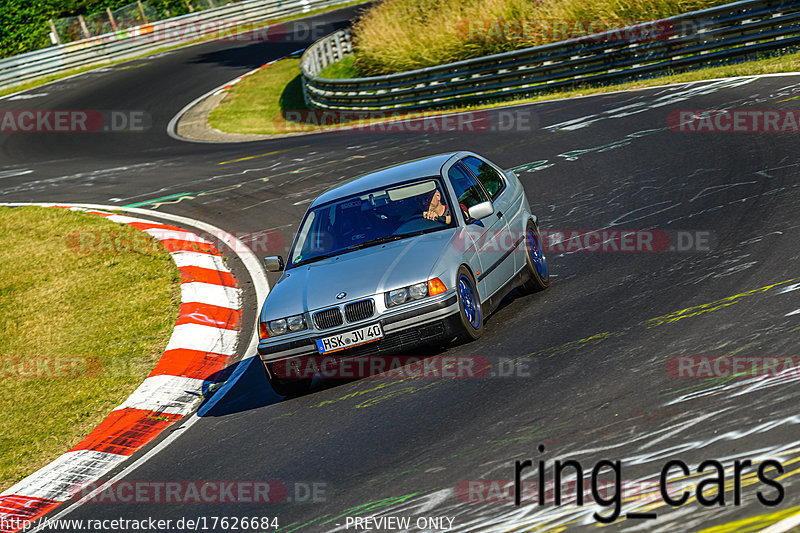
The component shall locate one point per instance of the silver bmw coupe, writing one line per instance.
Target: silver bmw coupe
(417, 253)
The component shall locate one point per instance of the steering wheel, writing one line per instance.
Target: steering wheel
(412, 223)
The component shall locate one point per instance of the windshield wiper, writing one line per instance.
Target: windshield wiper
(379, 240)
(316, 258)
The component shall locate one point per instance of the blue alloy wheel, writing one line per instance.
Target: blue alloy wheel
(537, 256)
(469, 301)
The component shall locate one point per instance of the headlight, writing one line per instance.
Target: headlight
(296, 323)
(283, 326)
(277, 327)
(417, 291)
(397, 297)
(420, 290)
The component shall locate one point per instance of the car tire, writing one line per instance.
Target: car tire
(469, 305)
(536, 262)
(284, 386)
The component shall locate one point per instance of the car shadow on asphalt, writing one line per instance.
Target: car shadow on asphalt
(251, 390)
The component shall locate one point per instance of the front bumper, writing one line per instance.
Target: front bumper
(434, 322)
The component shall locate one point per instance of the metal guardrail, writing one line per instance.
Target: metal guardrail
(709, 36)
(148, 38)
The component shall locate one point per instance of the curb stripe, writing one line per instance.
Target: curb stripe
(151, 225)
(209, 315)
(184, 259)
(208, 293)
(179, 245)
(190, 274)
(203, 339)
(166, 394)
(59, 480)
(24, 508)
(195, 364)
(203, 344)
(125, 431)
(179, 235)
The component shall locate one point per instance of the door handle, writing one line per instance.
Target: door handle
(499, 214)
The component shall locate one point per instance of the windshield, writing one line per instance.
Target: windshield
(371, 218)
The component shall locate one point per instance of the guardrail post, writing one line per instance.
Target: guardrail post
(111, 19)
(84, 28)
(56, 36)
(141, 10)
(339, 53)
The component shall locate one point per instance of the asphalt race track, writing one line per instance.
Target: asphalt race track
(591, 380)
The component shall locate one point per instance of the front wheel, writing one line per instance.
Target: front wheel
(536, 262)
(469, 305)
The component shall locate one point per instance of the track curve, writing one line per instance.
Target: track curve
(596, 344)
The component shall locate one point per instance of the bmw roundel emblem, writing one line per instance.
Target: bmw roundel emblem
(341, 295)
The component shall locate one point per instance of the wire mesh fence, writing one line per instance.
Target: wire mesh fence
(68, 29)
(118, 21)
(134, 15)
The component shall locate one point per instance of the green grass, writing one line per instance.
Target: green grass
(255, 104)
(343, 69)
(400, 35)
(108, 314)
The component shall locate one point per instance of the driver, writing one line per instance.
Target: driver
(434, 209)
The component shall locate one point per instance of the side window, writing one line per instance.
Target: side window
(487, 175)
(468, 191)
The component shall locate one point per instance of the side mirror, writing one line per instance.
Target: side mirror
(481, 210)
(274, 263)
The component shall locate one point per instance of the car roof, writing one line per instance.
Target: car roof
(418, 168)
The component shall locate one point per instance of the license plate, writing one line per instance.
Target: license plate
(334, 343)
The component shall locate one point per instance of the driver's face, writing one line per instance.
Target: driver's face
(435, 199)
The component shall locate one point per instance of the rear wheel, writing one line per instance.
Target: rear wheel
(286, 386)
(469, 305)
(536, 262)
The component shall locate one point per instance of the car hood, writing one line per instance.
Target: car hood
(358, 274)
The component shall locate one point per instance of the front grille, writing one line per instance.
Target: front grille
(393, 342)
(359, 310)
(328, 318)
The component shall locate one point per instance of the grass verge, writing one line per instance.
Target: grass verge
(346, 68)
(258, 103)
(400, 35)
(81, 325)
